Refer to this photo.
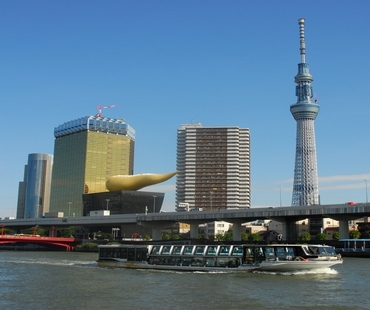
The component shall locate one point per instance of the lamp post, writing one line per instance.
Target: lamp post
(366, 189)
(69, 209)
(154, 203)
(107, 200)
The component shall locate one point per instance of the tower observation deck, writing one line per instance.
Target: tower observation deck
(304, 111)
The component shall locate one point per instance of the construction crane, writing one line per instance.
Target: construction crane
(100, 108)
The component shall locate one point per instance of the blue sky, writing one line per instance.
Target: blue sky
(167, 63)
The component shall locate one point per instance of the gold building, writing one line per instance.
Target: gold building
(87, 152)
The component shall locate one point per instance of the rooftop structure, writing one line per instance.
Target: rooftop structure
(87, 152)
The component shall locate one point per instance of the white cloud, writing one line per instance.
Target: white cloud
(345, 178)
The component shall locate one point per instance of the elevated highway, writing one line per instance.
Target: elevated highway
(286, 215)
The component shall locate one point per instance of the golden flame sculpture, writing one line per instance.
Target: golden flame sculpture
(135, 182)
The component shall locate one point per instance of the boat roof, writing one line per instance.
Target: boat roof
(243, 245)
(364, 240)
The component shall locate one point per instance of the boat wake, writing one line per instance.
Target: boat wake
(54, 262)
(319, 271)
(184, 271)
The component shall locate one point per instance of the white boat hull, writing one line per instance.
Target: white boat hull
(277, 266)
(297, 265)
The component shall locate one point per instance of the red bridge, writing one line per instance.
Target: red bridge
(68, 243)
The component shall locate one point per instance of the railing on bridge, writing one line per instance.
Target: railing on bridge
(67, 243)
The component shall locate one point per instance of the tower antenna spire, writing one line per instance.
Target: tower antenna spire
(304, 111)
(302, 43)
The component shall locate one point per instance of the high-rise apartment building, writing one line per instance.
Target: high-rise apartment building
(87, 152)
(213, 165)
(34, 191)
(304, 111)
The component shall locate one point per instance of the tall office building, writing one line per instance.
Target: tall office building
(34, 191)
(87, 152)
(213, 167)
(305, 185)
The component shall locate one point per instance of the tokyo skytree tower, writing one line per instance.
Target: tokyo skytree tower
(305, 185)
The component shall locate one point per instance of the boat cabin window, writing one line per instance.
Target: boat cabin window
(324, 250)
(197, 262)
(131, 254)
(285, 253)
(280, 252)
(166, 250)
(249, 255)
(199, 250)
(210, 262)
(211, 250)
(224, 250)
(188, 250)
(305, 250)
(328, 250)
(313, 250)
(136, 254)
(290, 251)
(156, 249)
(269, 253)
(186, 261)
(176, 250)
(221, 262)
(254, 254)
(103, 252)
(123, 253)
(141, 254)
(237, 251)
(113, 252)
(258, 252)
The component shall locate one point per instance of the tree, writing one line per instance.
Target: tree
(228, 236)
(99, 235)
(7, 231)
(34, 230)
(305, 237)
(175, 236)
(220, 237)
(367, 234)
(244, 236)
(165, 236)
(354, 234)
(88, 246)
(66, 232)
(254, 237)
(336, 236)
(321, 236)
(146, 237)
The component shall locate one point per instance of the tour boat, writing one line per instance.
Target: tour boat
(229, 258)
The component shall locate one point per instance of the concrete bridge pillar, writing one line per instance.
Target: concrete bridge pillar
(194, 231)
(290, 229)
(237, 231)
(343, 229)
(284, 230)
(156, 234)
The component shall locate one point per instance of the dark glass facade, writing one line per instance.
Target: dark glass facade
(123, 202)
(34, 191)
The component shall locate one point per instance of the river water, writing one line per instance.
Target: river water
(72, 280)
